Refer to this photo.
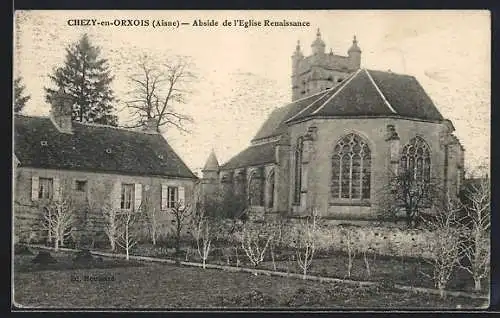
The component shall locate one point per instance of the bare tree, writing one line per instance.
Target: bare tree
(59, 221)
(348, 238)
(476, 250)
(110, 224)
(409, 194)
(158, 87)
(306, 243)
(444, 245)
(364, 248)
(275, 226)
(255, 241)
(151, 213)
(203, 236)
(182, 214)
(127, 234)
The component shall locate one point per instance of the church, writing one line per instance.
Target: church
(334, 147)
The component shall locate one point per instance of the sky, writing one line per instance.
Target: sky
(244, 73)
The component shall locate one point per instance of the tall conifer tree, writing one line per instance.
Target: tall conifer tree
(86, 78)
(20, 99)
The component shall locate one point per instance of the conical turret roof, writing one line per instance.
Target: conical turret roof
(212, 162)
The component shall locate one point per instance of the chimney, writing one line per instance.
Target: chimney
(150, 125)
(61, 112)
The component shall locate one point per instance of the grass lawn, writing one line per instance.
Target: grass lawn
(147, 285)
(404, 271)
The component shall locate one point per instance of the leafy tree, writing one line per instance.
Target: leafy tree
(86, 78)
(20, 99)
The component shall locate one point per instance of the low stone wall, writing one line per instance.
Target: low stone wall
(333, 236)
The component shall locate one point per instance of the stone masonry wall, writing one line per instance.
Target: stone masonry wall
(88, 205)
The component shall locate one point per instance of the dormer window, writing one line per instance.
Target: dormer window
(160, 156)
(43, 143)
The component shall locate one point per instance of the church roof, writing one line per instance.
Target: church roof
(97, 148)
(253, 156)
(363, 93)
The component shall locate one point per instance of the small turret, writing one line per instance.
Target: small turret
(354, 54)
(296, 58)
(318, 46)
(211, 169)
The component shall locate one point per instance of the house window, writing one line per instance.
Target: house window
(81, 185)
(172, 196)
(45, 188)
(298, 171)
(351, 168)
(127, 198)
(416, 160)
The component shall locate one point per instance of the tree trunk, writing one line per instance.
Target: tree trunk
(367, 264)
(305, 264)
(56, 243)
(178, 240)
(477, 284)
(126, 241)
(204, 262)
(441, 287)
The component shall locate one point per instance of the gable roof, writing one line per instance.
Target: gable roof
(253, 156)
(39, 144)
(363, 93)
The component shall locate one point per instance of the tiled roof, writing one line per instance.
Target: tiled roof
(38, 143)
(363, 93)
(253, 156)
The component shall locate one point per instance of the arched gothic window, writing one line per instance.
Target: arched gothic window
(298, 170)
(270, 196)
(351, 170)
(256, 187)
(416, 159)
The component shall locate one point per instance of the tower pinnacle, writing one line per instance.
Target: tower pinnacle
(318, 46)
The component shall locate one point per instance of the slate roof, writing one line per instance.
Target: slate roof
(363, 93)
(276, 123)
(253, 156)
(212, 162)
(95, 148)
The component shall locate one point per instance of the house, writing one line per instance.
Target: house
(92, 166)
(335, 147)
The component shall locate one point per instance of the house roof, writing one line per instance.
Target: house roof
(363, 93)
(38, 143)
(253, 156)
